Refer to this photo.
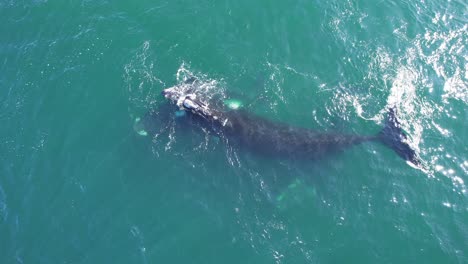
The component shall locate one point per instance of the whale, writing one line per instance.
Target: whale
(271, 138)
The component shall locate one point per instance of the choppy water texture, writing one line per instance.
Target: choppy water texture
(78, 185)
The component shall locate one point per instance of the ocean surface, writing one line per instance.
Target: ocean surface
(79, 185)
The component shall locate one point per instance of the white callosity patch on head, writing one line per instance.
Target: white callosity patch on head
(188, 102)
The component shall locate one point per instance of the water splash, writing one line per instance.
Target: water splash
(446, 53)
(426, 79)
(140, 78)
(207, 88)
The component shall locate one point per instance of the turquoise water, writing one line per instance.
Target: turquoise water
(78, 185)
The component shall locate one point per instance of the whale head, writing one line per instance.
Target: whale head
(174, 93)
(185, 97)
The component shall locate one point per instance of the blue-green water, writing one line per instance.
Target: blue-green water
(78, 185)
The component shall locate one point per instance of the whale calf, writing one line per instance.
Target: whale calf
(267, 137)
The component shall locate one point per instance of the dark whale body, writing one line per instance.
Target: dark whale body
(271, 138)
(277, 139)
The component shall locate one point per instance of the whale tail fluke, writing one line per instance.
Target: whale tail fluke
(392, 135)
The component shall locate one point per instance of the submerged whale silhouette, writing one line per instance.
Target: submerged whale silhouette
(271, 138)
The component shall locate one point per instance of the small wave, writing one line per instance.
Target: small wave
(3, 205)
